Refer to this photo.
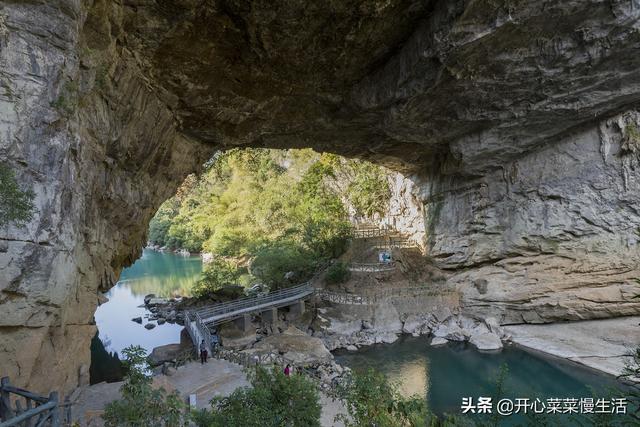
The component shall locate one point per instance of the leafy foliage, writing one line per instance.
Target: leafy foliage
(272, 400)
(141, 404)
(371, 400)
(631, 372)
(218, 275)
(369, 191)
(275, 210)
(337, 273)
(16, 205)
(273, 261)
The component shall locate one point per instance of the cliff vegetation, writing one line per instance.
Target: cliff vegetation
(269, 216)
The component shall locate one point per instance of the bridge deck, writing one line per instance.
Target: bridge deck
(232, 309)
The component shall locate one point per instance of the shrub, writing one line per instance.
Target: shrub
(142, 405)
(273, 400)
(218, 275)
(371, 400)
(274, 260)
(337, 273)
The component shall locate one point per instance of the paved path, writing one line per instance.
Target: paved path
(215, 378)
(599, 344)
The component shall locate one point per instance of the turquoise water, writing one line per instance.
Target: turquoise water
(163, 274)
(448, 373)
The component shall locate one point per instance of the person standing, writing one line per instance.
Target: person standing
(203, 353)
(287, 370)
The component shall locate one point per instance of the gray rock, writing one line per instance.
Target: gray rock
(150, 326)
(168, 353)
(486, 341)
(442, 314)
(154, 302)
(386, 338)
(451, 331)
(413, 324)
(137, 319)
(435, 341)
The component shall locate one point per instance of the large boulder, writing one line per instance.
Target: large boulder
(168, 353)
(486, 341)
(295, 347)
(450, 331)
(413, 324)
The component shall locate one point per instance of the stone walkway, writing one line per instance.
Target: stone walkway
(599, 344)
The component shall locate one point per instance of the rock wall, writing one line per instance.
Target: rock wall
(551, 236)
(100, 153)
(106, 106)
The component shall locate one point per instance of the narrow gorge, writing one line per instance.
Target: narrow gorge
(513, 128)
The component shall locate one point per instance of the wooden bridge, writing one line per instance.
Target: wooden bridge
(201, 323)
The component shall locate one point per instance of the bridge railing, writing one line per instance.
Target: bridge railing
(249, 302)
(37, 410)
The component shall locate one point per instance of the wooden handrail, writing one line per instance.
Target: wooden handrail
(45, 409)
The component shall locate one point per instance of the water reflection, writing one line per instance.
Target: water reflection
(163, 274)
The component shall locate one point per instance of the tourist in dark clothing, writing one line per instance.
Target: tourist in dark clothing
(203, 352)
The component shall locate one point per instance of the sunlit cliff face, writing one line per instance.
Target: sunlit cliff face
(515, 123)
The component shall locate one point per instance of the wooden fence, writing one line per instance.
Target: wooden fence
(22, 408)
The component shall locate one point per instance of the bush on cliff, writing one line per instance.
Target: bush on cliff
(250, 204)
(16, 205)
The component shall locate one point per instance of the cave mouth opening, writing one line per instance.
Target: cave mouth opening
(255, 219)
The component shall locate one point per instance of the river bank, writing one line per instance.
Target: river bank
(603, 345)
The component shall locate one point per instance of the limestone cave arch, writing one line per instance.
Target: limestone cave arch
(517, 122)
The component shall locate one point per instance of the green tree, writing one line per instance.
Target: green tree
(337, 273)
(16, 205)
(273, 400)
(273, 261)
(141, 404)
(369, 191)
(271, 210)
(371, 401)
(217, 275)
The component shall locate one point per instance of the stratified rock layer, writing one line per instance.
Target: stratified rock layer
(551, 236)
(495, 109)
